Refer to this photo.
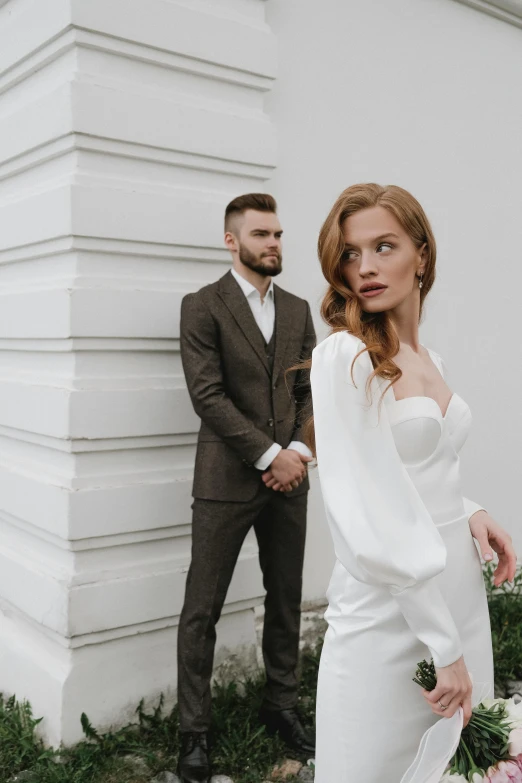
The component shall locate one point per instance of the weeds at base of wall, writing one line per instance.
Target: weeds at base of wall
(138, 752)
(505, 611)
(242, 750)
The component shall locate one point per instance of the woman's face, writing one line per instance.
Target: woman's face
(380, 262)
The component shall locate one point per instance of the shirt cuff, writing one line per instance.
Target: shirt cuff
(302, 448)
(266, 459)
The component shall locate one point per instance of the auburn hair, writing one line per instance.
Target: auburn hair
(340, 307)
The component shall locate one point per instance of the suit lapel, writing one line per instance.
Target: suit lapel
(235, 300)
(283, 328)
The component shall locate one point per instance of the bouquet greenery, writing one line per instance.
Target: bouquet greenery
(490, 748)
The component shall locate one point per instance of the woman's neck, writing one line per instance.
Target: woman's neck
(405, 319)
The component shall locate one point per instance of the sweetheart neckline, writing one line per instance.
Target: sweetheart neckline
(427, 397)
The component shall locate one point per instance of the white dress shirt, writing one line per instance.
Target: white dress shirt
(264, 314)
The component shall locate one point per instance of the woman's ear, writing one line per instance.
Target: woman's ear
(423, 254)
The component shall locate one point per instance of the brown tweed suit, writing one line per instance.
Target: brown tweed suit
(238, 387)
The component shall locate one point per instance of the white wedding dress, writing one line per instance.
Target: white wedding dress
(407, 584)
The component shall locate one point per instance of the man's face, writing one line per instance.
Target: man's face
(256, 238)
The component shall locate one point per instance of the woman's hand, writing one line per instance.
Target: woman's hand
(453, 690)
(491, 536)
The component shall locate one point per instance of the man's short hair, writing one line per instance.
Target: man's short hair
(261, 202)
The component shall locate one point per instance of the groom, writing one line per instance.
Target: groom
(238, 336)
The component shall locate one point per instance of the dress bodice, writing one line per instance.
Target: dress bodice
(428, 444)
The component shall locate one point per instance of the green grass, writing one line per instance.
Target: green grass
(242, 749)
(505, 610)
(19, 748)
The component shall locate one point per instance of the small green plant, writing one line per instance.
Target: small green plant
(505, 611)
(19, 746)
(242, 748)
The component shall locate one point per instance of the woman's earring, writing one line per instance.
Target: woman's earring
(420, 280)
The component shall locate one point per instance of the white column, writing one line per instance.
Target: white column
(125, 128)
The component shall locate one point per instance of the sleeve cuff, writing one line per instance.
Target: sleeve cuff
(300, 447)
(266, 459)
(471, 508)
(429, 618)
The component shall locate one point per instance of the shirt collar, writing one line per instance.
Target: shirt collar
(248, 289)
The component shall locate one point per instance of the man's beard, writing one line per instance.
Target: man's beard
(256, 263)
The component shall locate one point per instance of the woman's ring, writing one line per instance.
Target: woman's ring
(442, 706)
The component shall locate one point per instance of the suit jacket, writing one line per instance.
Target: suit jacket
(244, 407)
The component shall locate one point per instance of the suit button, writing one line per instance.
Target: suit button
(274, 385)
(270, 422)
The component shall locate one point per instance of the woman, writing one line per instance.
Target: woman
(407, 584)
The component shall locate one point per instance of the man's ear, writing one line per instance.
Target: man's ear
(231, 241)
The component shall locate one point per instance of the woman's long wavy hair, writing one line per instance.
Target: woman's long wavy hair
(340, 307)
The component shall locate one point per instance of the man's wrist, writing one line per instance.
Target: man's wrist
(301, 448)
(266, 459)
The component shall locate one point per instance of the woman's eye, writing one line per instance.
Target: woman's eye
(384, 246)
(348, 255)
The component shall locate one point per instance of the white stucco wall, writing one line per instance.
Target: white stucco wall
(425, 94)
(126, 126)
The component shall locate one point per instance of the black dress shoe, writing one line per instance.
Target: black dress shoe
(194, 762)
(288, 725)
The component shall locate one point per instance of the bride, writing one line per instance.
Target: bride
(407, 583)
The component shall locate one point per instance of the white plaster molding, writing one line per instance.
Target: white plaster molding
(77, 641)
(87, 602)
(83, 514)
(12, 73)
(183, 37)
(72, 38)
(131, 461)
(82, 445)
(168, 532)
(209, 34)
(116, 210)
(163, 122)
(69, 143)
(125, 128)
(261, 80)
(51, 248)
(103, 344)
(506, 10)
(71, 312)
(62, 413)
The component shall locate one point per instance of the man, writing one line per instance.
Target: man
(238, 337)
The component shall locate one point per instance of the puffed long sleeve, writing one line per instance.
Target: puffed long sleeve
(382, 532)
